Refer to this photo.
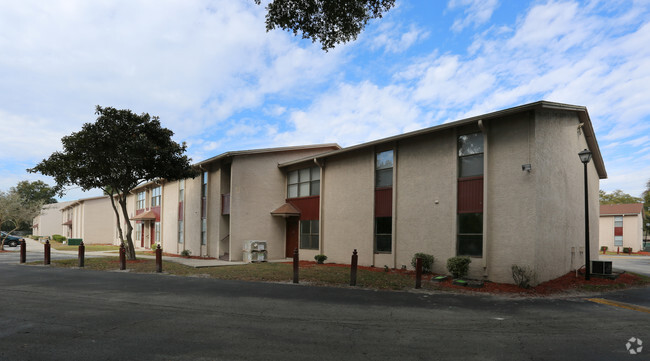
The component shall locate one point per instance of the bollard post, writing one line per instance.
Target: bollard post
(23, 251)
(82, 250)
(353, 268)
(122, 257)
(418, 272)
(46, 252)
(158, 259)
(295, 265)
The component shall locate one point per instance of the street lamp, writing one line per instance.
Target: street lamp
(585, 157)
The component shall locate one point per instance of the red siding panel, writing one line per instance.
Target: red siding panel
(470, 195)
(384, 202)
(180, 211)
(309, 207)
(618, 231)
(156, 211)
(225, 203)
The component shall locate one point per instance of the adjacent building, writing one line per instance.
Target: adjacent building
(621, 225)
(91, 219)
(48, 221)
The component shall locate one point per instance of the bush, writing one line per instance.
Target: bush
(186, 253)
(427, 262)
(603, 248)
(458, 266)
(58, 238)
(320, 258)
(627, 250)
(155, 246)
(523, 276)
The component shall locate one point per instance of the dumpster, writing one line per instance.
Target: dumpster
(74, 241)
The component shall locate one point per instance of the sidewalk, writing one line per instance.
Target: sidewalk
(36, 246)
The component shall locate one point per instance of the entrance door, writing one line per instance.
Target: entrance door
(293, 231)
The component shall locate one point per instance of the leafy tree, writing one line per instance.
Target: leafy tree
(617, 197)
(116, 153)
(35, 192)
(14, 211)
(329, 22)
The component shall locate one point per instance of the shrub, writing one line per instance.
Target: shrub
(320, 258)
(627, 250)
(603, 248)
(186, 253)
(427, 262)
(58, 238)
(155, 246)
(523, 276)
(458, 266)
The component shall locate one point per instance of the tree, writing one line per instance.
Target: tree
(329, 22)
(14, 211)
(617, 197)
(118, 152)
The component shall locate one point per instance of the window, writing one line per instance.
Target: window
(618, 241)
(204, 195)
(470, 234)
(309, 234)
(204, 231)
(181, 197)
(383, 234)
(155, 197)
(140, 204)
(180, 231)
(157, 232)
(138, 231)
(618, 221)
(303, 182)
(384, 169)
(470, 155)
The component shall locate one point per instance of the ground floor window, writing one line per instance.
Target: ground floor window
(309, 234)
(204, 231)
(157, 232)
(618, 241)
(470, 234)
(138, 231)
(180, 231)
(383, 234)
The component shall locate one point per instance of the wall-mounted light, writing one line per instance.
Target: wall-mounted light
(526, 167)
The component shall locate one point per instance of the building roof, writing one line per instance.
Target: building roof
(620, 209)
(146, 216)
(330, 146)
(587, 128)
(286, 210)
(79, 201)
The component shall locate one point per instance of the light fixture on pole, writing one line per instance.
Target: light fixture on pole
(585, 157)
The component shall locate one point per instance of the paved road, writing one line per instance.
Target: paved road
(78, 314)
(636, 264)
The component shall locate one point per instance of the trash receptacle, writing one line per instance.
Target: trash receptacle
(74, 241)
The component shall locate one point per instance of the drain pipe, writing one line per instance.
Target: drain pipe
(321, 244)
(486, 148)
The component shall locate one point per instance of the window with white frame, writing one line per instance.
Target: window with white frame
(140, 203)
(157, 232)
(181, 198)
(309, 234)
(303, 182)
(155, 196)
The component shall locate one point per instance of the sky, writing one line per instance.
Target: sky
(221, 82)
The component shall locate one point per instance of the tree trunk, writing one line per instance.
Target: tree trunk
(117, 215)
(130, 250)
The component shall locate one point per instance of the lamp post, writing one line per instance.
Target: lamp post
(585, 157)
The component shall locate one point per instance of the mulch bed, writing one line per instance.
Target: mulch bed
(177, 255)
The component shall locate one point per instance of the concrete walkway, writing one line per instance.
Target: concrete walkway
(37, 247)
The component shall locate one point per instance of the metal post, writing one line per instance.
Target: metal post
(82, 250)
(295, 265)
(158, 259)
(353, 268)
(587, 260)
(418, 272)
(23, 251)
(46, 252)
(122, 257)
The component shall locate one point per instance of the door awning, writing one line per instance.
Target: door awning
(68, 223)
(286, 210)
(146, 216)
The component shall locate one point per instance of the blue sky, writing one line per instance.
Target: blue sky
(217, 79)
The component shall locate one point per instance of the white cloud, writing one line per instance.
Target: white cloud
(477, 12)
(393, 39)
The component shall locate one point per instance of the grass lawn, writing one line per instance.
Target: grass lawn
(89, 247)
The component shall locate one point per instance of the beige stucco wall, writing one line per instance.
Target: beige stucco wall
(169, 218)
(97, 219)
(192, 221)
(632, 232)
(49, 219)
(559, 189)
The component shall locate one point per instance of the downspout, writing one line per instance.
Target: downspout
(485, 196)
(394, 210)
(321, 243)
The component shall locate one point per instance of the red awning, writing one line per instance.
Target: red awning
(68, 223)
(146, 216)
(286, 210)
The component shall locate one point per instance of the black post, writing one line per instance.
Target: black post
(82, 250)
(353, 268)
(587, 260)
(23, 251)
(46, 252)
(418, 272)
(122, 257)
(158, 259)
(295, 265)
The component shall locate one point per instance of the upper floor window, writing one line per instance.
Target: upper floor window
(384, 169)
(303, 182)
(155, 197)
(618, 221)
(204, 195)
(140, 203)
(470, 155)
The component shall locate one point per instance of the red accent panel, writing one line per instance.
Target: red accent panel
(384, 202)
(470, 195)
(138, 211)
(156, 210)
(618, 231)
(308, 207)
(225, 203)
(180, 211)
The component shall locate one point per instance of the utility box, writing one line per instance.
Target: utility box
(254, 256)
(601, 267)
(74, 241)
(254, 245)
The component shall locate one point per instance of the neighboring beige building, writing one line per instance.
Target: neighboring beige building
(621, 225)
(91, 219)
(48, 221)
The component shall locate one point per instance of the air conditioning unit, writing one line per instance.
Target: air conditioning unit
(254, 245)
(601, 267)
